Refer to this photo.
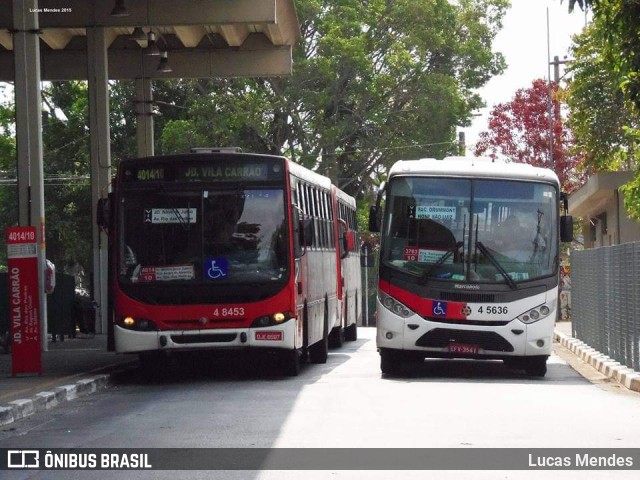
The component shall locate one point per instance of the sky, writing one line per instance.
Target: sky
(523, 42)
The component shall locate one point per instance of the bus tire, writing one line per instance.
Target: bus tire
(390, 362)
(336, 337)
(152, 365)
(290, 363)
(319, 351)
(536, 366)
(351, 333)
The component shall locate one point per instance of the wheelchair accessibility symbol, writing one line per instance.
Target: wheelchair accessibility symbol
(439, 309)
(216, 268)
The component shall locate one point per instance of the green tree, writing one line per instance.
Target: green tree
(600, 116)
(621, 23)
(65, 139)
(609, 62)
(8, 188)
(374, 81)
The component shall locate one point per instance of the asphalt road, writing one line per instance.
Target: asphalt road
(347, 404)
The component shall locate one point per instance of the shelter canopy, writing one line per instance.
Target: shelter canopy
(203, 38)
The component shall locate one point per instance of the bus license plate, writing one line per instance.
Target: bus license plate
(463, 348)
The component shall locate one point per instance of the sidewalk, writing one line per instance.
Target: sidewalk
(73, 367)
(604, 364)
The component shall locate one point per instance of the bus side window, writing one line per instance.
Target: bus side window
(297, 247)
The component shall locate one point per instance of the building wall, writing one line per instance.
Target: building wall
(610, 225)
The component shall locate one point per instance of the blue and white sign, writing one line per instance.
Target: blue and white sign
(439, 309)
(216, 268)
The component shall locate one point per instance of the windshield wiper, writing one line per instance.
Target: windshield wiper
(184, 223)
(485, 251)
(450, 251)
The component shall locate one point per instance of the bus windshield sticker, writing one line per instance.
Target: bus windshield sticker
(170, 215)
(517, 276)
(167, 274)
(421, 255)
(216, 268)
(434, 212)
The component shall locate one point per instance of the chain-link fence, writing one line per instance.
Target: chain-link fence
(606, 301)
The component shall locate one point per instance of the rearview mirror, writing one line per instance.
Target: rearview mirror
(566, 228)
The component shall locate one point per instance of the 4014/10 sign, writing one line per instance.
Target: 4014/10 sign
(24, 300)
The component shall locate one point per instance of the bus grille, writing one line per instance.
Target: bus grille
(483, 323)
(442, 337)
(468, 297)
(206, 338)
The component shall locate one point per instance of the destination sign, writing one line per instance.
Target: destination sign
(250, 170)
(234, 172)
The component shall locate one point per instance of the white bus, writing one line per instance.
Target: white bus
(468, 262)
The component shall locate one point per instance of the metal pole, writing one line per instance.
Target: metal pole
(549, 103)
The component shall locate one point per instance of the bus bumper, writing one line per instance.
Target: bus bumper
(435, 339)
(275, 337)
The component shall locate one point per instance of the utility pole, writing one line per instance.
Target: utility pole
(549, 102)
(461, 144)
(556, 67)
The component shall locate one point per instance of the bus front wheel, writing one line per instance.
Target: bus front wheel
(390, 362)
(290, 363)
(536, 366)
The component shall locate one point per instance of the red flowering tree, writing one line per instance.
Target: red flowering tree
(519, 131)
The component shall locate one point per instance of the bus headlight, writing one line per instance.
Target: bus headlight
(139, 324)
(395, 306)
(535, 314)
(273, 319)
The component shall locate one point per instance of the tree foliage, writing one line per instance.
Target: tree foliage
(605, 97)
(621, 22)
(600, 116)
(373, 82)
(520, 131)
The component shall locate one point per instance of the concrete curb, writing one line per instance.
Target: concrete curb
(23, 408)
(605, 365)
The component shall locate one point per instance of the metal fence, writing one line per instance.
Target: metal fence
(606, 301)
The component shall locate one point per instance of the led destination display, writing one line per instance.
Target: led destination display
(251, 169)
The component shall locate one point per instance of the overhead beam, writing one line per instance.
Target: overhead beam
(6, 40)
(234, 35)
(83, 13)
(190, 36)
(130, 64)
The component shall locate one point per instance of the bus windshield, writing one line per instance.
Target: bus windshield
(475, 230)
(201, 236)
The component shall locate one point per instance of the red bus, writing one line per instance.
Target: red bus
(232, 251)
